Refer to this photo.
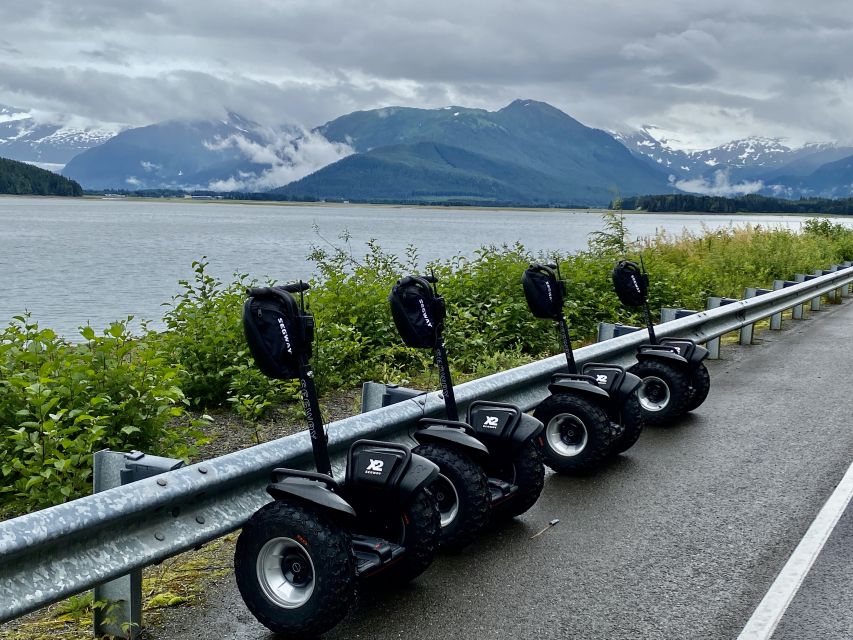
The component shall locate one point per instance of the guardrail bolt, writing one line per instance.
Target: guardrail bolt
(202, 469)
(199, 519)
(162, 482)
(159, 536)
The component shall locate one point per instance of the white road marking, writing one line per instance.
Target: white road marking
(772, 607)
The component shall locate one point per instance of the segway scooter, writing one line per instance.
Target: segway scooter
(675, 379)
(298, 558)
(491, 464)
(592, 413)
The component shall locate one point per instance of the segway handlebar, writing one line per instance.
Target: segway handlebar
(410, 279)
(295, 287)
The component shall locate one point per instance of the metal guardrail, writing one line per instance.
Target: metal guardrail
(60, 551)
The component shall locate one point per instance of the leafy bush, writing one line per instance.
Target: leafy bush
(61, 402)
(205, 337)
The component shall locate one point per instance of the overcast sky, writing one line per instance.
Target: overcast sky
(706, 72)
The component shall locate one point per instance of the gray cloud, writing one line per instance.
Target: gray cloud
(708, 72)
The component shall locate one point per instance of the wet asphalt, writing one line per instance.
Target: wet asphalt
(680, 537)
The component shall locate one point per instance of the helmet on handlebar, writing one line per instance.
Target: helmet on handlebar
(418, 311)
(631, 283)
(544, 290)
(278, 330)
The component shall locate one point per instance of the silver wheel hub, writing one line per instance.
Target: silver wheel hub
(566, 435)
(447, 498)
(653, 394)
(285, 573)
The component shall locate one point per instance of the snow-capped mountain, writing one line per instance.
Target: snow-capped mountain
(749, 158)
(751, 165)
(49, 141)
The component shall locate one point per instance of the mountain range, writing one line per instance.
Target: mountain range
(47, 142)
(527, 153)
(751, 165)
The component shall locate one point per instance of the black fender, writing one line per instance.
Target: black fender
(419, 474)
(501, 425)
(689, 349)
(582, 387)
(660, 352)
(630, 383)
(387, 467)
(528, 427)
(313, 491)
(458, 434)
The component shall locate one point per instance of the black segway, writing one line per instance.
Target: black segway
(491, 464)
(298, 558)
(591, 413)
(675, 379)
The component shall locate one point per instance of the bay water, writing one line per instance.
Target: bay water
(75, 261)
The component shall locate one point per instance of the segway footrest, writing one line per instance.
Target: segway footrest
(372, 554)
(500, 490)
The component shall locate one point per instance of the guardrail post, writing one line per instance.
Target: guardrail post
(845, 288)
(776, 318)
(747, 331)
(607, 330)
(122, 614)
(816, 306)
(799, 310)
(668, 314)
(836, 293)
(375, 395)
(713, 345)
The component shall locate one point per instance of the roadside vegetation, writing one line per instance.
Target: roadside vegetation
(60, 402)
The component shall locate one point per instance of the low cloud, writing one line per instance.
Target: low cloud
(287, 155)
(719, 185)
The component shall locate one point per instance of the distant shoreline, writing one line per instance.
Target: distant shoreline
(436, 207)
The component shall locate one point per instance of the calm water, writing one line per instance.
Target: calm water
(70, 262)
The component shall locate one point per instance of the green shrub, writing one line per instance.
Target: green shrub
(61, 402)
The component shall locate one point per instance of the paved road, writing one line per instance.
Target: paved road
(679, 538)
(823, 607)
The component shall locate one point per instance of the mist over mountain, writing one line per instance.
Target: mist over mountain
(233, 154)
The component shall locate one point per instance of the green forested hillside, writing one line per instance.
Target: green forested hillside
(526, 153)
(21, 179)
(747, 204)
(428, 172)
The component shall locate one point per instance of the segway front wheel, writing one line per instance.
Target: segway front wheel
(526, 471)
(295, 570)
(664, 391)
(577, 433)
(461, 492)
(632, 425)
(700, 385)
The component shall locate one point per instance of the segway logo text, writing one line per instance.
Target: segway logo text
(550, 295)
(375, 467)
(285, 336)
(636, 284)
(491, 422)
(424, 313)
(601, 378)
